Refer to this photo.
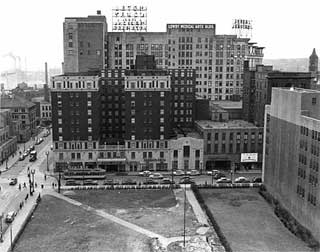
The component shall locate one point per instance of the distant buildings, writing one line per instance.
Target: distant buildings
(292, 147)
(313, 63)
(258, 84)
(23, 116)
(217, 59)
(8, 141)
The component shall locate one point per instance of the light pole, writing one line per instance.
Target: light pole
(1, 216)
(47, 154)
(184, 211)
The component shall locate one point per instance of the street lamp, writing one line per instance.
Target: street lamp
(184, 211)
(47, 154)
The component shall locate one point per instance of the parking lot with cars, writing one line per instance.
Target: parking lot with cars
(177, 177)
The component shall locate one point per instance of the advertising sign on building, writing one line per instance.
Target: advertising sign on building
(249, 157)
(131, 18)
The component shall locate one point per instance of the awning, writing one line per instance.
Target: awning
(111, 160)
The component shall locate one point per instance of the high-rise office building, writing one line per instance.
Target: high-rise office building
(291, 153)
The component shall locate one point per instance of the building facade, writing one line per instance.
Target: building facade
(255, 93)
(8, 142)
(23, 115)
(75, 119)
(224, 142)
(292, 144)
(217, 59)
(84, 43)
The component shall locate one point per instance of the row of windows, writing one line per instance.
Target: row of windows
(314, 165)
(301, 173)
(313, 180)
(315, 150)
(231, 149)
(300, 191)
(232, 134)
(302, 159)
(77, 146)
(148, 144)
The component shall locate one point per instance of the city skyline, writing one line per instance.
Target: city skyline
(47, 45)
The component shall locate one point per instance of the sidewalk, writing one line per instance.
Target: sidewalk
(18, 223)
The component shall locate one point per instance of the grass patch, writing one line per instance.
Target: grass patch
(248, 222)
(59, 226)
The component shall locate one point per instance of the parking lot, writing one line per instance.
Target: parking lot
(136, 179)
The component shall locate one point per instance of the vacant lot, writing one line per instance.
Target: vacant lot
(248, 222)
(160, 211)
(60, 226)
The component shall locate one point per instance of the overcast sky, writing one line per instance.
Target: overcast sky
(32, 29)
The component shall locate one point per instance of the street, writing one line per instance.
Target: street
(11, 196)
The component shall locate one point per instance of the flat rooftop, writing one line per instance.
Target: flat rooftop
(206, 124)
(299, 90)
(228, 104)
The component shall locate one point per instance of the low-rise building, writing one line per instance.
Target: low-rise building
(8, 142)
(227, 143)
(23, 115)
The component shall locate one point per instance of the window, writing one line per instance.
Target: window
(133, 155)
(175, 153)
(78, 155)
(314, 100)
(186, 151)
(90, 155)
(197, 153)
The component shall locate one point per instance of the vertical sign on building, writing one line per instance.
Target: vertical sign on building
(130, 18)
(242, 28)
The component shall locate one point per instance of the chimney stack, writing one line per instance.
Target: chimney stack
(98, 12)
(46, 89)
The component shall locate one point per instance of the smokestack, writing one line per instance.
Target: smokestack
(62, 67)
(46, 72)
(46, 89)
(98, 12)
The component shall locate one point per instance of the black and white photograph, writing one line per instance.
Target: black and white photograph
(159, 126)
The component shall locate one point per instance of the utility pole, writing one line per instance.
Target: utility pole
(1, 216)
(47, 154)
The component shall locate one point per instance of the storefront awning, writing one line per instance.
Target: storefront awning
(111, 160)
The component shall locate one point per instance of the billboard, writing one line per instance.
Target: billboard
(190, 26)
(249, 157)
(130, 18)
(242, 28)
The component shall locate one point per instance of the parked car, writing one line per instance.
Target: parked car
(47, 133)
(223, 180)
(129, 182)
(150, 182)
(31, 148)
(193, 173)
(10, 216)
(145, 173)
(166, 181)
(156, 176)
(72, 182)
(90, 182)
(39, 141)
(21, 157)
(178, 173)
(257, 180)
(241, 180)
(13, 181)
(212, 172)
(186, 180)
(219, 175)
(25, 154)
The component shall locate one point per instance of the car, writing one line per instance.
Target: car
(21, 157)
(108, 182)
(257, 180)
(219, 175)
(71, 182)
(213, 172)
(25, 154)
(194, 173)
(166, 181)
(13, 181)
(223, 180)
(241, 180)
(145, 173)
(186, 180)
(31, 148)
(90, 182)
(10, 216)
(156, 176)
(150, 182)
(47, 133)
(39, 141)
(178, 173)
(129, 182)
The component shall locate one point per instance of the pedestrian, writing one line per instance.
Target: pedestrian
(24, 184)
(20, 187)
(52, 185)
(41, 186)
(36, 184)
(45, 177)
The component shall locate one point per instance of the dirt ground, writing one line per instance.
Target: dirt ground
(248, 222)
(59, 226)
(160, 211)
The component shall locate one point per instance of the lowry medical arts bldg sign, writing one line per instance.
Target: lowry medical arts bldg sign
(190, 26)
